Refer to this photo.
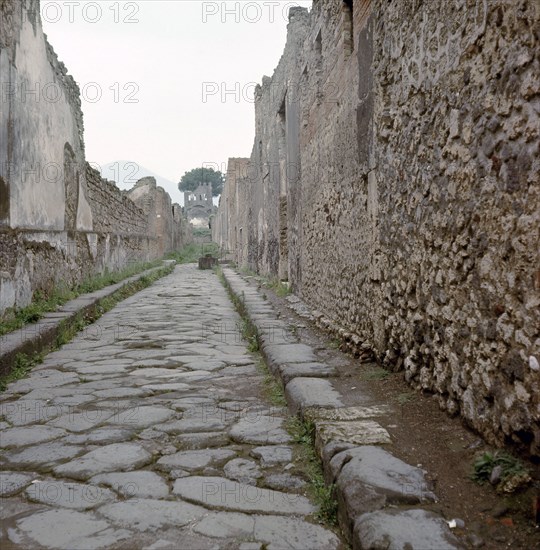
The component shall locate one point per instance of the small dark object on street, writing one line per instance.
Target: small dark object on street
(207, 262)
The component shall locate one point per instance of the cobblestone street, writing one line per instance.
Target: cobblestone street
(150, 429)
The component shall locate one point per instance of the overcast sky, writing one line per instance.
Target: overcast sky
(168, 83)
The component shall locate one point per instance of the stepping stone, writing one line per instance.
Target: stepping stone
(141, 483)
(272, 455)
(12, 482)
(194, 460)
(222, 493)
(243, 471)
(260, 429)
(68, 495)
(29, 435)
(302, 393)
(64, 529)
(151, 515)
(111, 458)
(397, 529)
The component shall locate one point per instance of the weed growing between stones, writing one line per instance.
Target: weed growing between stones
(70, 327)
(303, 433)
(23, 365)
(44, 303)
(501, 469)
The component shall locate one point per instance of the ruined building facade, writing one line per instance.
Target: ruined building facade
(59, 220)
(199, 206)
(394, 181)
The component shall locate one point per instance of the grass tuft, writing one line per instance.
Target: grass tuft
(324, 495)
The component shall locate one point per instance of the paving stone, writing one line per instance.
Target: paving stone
(155, 373)
(202, 440)
(48, 378)
(64, 529)
(192, 425)
(141, 417)
(311, 392)
(29, 435)
(100, 436)
(194, 460)
(344, 413)
(356, 432)
(13, 482)
(260, 429)
(222, 493)
(243, 471)
(190, 401)
(28, 411)
(318, 370)
(41, 457)
(272, 454)
(284, 482)
(226, 524)
(120, 392)
(166, 386)
(279, 354)
(369, 478)
(398, 529)
(83, 421)
(150, 514)
(70, 401)
(118, 456)
(140, 483)
(63, 494)
(102, 369)
(296, 534)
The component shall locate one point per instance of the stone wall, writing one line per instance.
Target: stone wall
(60, 222)
(394, 181)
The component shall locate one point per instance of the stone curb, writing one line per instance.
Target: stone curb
(40, 336)
(368, 479)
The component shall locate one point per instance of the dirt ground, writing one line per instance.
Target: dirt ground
(425, 436)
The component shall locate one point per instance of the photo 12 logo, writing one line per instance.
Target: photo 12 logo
(247, 12)
(89, 12)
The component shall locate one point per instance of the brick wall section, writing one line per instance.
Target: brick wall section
(412, 193)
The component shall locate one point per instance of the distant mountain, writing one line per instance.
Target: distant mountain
(126, 173)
